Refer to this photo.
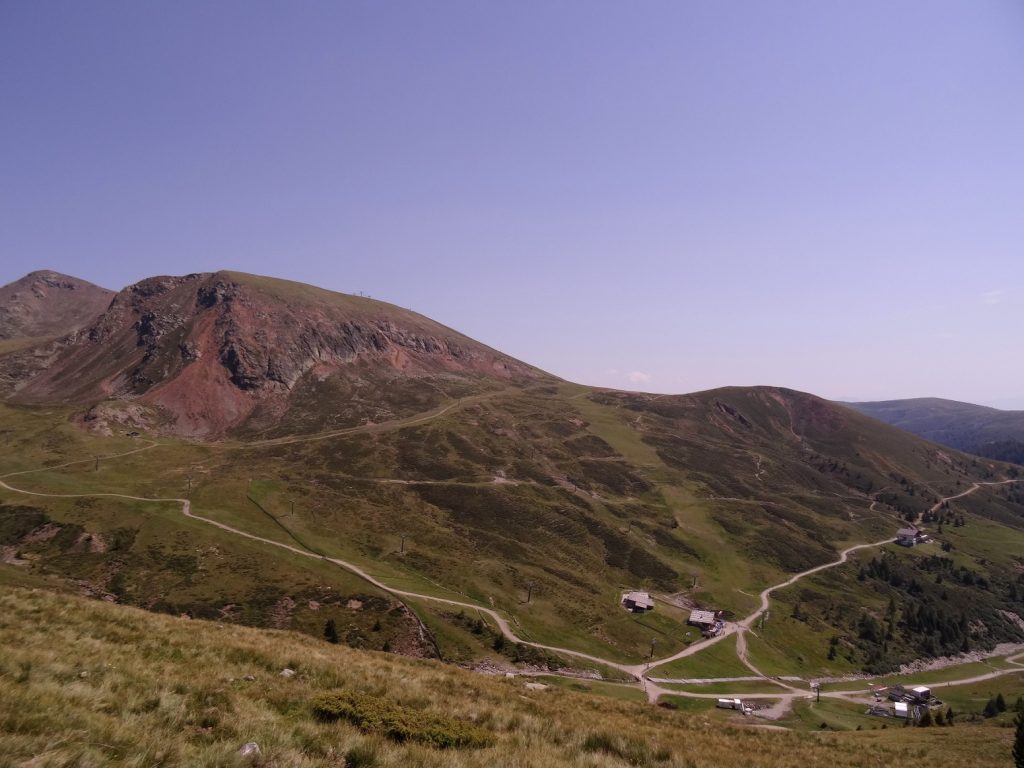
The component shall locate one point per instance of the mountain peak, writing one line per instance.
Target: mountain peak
(226, 351)
(46, 303)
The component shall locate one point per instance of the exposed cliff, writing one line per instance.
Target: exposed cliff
(226, 351)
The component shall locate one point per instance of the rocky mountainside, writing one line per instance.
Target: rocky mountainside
(218, 352)
(978, 429)
(46, 304)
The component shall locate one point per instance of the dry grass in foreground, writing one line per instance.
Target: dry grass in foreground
(85, 683)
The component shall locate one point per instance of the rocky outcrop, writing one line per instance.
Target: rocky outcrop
(211, 348)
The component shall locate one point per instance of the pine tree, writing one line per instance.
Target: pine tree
(1000, 703)
(1018, 741)
(331, 632)
(991, 708)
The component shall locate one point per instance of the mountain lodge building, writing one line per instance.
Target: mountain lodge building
(638, 602)
(908, 537)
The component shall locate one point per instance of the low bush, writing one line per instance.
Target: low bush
(374, 714)
(632, 751)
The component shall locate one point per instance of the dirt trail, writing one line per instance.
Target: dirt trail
(384, 426)
(102, 457)
(503, 625)
(641, 672)
(744, 624)
(975, 486)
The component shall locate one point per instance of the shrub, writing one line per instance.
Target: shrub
(363, 756)
(331, 632)
(375, 714)
(632, 751)
(991, 708)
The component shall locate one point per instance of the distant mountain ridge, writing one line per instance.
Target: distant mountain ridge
(47, 303)
(978, 429)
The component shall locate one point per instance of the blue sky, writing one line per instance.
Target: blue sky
(667, 196)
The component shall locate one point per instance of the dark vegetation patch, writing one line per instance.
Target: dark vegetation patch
(933, 607)
(398, 722)
(172, 577)
(1001, 450)
(722, 472)
(615, 476)
(349, 399)
(469, 452)
(524, 469)
(1004, 506)
(673, 407)
(590, 445)
(33, 530)
(504, 518)
(423, 454)
(671, 540)
(622, 553)
(629, 749)
(516, 652)
(770, 534)
(511, 511)
(16, 522)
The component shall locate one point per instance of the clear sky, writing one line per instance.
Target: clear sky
(667, 196)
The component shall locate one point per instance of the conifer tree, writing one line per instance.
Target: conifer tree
(1018, 741)
(331, 632)
(991, 708)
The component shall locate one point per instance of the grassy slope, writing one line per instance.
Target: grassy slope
(714, 495)
(143, 689)
(734, 488)
(717, 661)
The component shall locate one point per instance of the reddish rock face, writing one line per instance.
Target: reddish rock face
(212, 350)
(44, 304)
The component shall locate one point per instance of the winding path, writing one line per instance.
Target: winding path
(637, 671)
(975, 486)
(103, 457)
(186, 509)
(640, 672)
(384, 426)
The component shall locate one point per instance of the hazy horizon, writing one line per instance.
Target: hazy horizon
(667, 198)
